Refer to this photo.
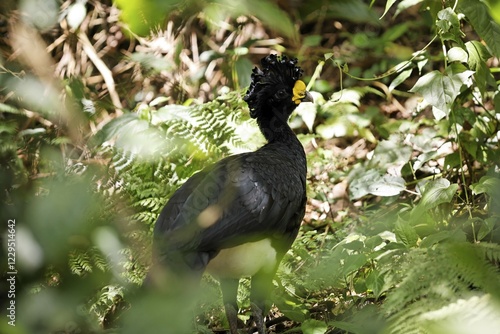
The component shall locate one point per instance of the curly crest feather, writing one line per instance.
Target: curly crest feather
(275, 71)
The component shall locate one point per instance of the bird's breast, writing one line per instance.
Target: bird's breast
(244, 260)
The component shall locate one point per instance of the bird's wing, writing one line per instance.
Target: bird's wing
(235, 201)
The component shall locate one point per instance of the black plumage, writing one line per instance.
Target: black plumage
(250, 202)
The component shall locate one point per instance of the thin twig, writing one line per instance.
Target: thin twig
(103, 69)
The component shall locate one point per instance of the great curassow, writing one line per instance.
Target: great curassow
(240, 216)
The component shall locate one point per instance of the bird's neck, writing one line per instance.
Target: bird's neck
(276, 129)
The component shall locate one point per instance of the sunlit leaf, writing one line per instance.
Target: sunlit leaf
(388, 185)
(479, 15)
(359, 186)
(447, 19)
(307, 111)
(400, 79)
(76, 14)
(441, 89)
(437, 192)
(457, 54)
(388, 6)
(142, 16)
(474, 314)
(32, 132)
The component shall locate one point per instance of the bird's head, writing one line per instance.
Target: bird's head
(276, 89)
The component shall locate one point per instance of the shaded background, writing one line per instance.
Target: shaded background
(107, 108)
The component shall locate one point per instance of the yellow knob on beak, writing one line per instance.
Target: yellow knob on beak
(300, 94)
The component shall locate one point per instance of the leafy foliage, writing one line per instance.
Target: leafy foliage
(402, 228)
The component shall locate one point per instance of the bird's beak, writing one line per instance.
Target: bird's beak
(307, 98)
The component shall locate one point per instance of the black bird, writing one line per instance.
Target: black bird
(239, 216)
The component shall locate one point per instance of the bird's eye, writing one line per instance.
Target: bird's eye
(281, 94)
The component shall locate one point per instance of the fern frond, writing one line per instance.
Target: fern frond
(477, 314)
(80, 262)
(434, 278)
(474, 269)
(490, 251)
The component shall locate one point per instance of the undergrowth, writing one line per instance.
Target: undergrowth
(402, 229)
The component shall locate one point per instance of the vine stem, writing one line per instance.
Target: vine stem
(462, 173)
(316, 74)
(396, 69)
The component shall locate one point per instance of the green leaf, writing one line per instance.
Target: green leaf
(375, 282)
(359, 186)
(491, 186)
(452, 160)
(437, 192)
(32, 132)
(393, 33)
(478, 55)
(353, 263)
(312, 326)
(267, 11)
(471, 262)
(356, 11)
(432, 88)
(355, 245)
(487, 184)
(295, 315)
(406, 233)
(449, 25)
(447, 19)
(388, 185)
(479, 16)
(388, 6)
(470, 143)
(405, 4)
(400, 79)
(142, 16)
(374, 242)
(312, 40)
(435, 238)
(441, 89)
(8, 108)
(487, 226)
(494, 6)
(457, 54)
(243, 68)
(390, 154)
(307, 111)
